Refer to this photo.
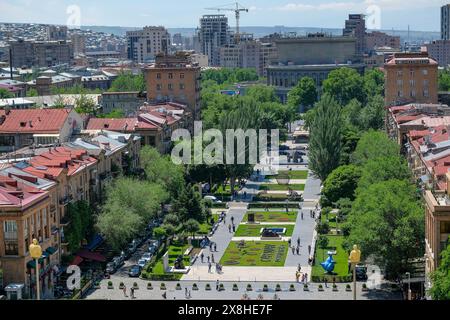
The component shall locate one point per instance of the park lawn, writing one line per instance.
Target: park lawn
(341, 258)
(280, 187)
(254, 230)
(175, 250)
(295, 175)
(255, 253)
(331, 220)
(273, 216)
(206, 226)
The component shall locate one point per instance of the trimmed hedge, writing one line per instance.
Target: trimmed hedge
(273, 205)
(339, 279)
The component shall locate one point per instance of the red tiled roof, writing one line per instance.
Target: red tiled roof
(15, 193)
(33, 120)
(124, 124)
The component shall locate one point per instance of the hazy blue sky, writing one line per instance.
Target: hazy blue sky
(419, 14)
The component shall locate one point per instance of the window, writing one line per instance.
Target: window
(170, 75)
(182, 86)
(170, 86)
(181, 75)
(412, 83)
(412, 93)
(158, 76)
(158, 87)
(400, 93)
(426, 93)
(10, 230)
(399, 73)
(399, 82)
(426, 83)
(425, 72)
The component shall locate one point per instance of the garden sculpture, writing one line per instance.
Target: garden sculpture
(329, 264)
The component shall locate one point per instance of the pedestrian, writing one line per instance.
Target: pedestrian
(164, 295)
(212, 258)
(185, 292)
(232, 220)
(209, 267)
(297, 276)
(309, 249)
(132, 292)
(326, 283)
(311, 212)
(217, 285)
(267, 208)
(303, 278)
(299, 268)
(298, 250)
(293, 250)
(202, 256)
(298, 241)
(302, 215)
(125, 291)
(289, 242)
(189, 294)
(306, 278)
(234, 228)
(224, 220)
(229, 228)
(215, 247)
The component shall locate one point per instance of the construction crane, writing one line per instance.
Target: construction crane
(237, 10)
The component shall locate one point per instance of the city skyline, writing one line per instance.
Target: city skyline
(420, 15)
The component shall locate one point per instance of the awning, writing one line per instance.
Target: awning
(51, 250)
(94, 256)
(77, 261)
(98, 239)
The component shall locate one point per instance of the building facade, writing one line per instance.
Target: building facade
(145, 44)
(175, 78)
(41, 53)
(411, 78)
(439, 50)
(377, 39)
(213, 33)
(445, 22)
(355, 26)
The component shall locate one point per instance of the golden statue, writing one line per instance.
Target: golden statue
(355, 255)
(35, 249)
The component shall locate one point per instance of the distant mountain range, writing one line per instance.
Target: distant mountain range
(411, 36)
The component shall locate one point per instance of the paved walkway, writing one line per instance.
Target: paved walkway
(228, 294)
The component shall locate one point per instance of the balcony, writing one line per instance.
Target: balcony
(52, 208)
(64, 201)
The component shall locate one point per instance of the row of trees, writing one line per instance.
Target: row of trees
(362, 171)
(386, 215)
(132, 202)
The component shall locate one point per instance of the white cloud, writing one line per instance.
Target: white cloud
(319, 7)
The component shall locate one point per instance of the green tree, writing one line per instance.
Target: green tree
(31, 92)
(303, 94)
(5, 94)
(341, 183)
(325, 136)
(372, 116)
(383, 169)
(159, 233)
(128, 82)
(441, 278)
(322, 242)
(85, 105)
(374, 144)
(189, 205)
(114, 114)
(345, 84)
(81, 219)
(161, 170)
(261, 93)
(444, 80)
(192, 227)
(373, 82)
(386, 221)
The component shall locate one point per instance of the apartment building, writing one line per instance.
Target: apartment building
(145, 44)
(439, 50)
(411, 78)
(213, 33)
(445, 22)
(41, 53)
(154, 124)
(175, 78)
(355, 26)
(378, 39)
(20, 128)
(127, 102)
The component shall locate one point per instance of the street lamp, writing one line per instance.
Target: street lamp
(36, 253)
(354, 259)
(409, 284)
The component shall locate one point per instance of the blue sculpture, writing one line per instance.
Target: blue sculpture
(329, 264)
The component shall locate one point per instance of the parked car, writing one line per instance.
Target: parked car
(213, 199)
(141, 263)
(135, 271)
(147, 256)
(284, 148)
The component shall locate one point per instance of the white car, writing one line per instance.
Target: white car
(212, 199)
(141, 263)
(146, 256)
